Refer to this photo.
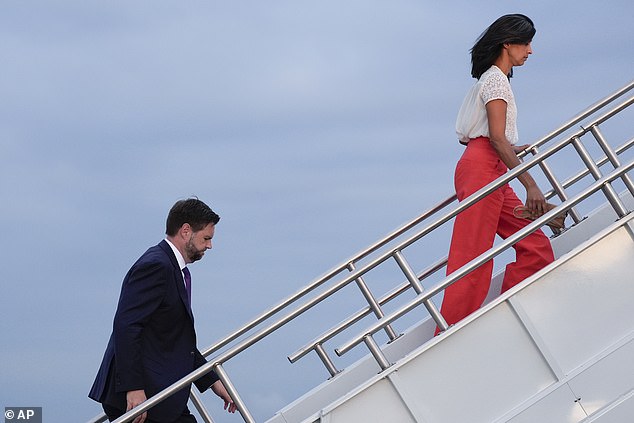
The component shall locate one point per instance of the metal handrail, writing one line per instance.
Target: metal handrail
(330, 333)
(485, 257)
(511, 240)
(582, 115)
(355, 317)
(576, 178)
(216, 363)
(323, 279)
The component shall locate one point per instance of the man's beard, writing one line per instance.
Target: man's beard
(192, 253)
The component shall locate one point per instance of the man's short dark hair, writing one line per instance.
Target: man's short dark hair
(192, 211)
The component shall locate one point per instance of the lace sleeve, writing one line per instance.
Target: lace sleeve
(495, 87)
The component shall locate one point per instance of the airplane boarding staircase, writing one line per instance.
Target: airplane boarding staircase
(558, 347)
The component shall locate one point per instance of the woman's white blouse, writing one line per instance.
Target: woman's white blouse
(472, 119)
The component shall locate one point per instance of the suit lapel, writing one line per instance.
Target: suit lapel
(178, 277)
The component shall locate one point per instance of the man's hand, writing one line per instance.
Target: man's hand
(220, 390)
(133, 399)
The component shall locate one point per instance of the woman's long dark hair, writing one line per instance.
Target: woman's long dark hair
(511, 29)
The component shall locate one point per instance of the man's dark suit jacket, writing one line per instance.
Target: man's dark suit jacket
(153, 342)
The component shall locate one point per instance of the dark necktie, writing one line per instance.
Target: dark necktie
(188, 285)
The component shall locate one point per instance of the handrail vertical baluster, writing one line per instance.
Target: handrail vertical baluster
(372, 302)
(607, 189)
(558, 188)
(611, 155)
(376, 352)
(222, 374)
(413, 279)
(200, 407)
(326, 360)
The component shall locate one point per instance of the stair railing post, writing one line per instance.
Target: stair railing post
(376, 352)
(418, 287)
(200, 407)
(326, 360)
(558, 188)
(372, 302)
(607, 188)
(611, 155)
(222, 374)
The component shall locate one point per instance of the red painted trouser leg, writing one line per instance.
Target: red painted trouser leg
(475, 229)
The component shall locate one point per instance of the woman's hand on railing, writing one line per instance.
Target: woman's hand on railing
(522, 151)
(520, 148)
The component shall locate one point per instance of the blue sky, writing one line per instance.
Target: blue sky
(312, 128)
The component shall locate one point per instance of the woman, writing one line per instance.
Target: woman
(486, 124)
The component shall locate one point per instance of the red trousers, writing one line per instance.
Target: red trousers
(475, 229)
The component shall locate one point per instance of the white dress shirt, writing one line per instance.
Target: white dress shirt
(179, 258)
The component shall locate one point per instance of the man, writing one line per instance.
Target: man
(153, 342)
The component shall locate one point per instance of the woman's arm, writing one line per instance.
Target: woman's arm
(496, 115)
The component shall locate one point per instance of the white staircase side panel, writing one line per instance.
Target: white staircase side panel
(537, 351)
(585, 303)
(605, 380)
(450, 388)
(591, 392)
(559, 404)
(354, 376)
(383, 393)
(621, 410)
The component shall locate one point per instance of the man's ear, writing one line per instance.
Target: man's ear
(185, 230)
